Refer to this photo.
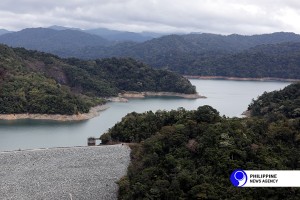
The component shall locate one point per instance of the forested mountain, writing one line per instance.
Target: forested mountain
(37, 82)
(50, 40)
(170, 46)
(237, 43)
(184, 154)
(23, 90)
(113, 35)
(281, 49)
(269, 55)
(174, 53)
(271, 60)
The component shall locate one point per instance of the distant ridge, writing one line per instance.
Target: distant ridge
(49, 40)
(4, 31)
(204, 54)
(258, 56)
(113, 35)
(161, 51)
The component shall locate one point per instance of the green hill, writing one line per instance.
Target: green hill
(35, 82)
(278, 104)
(190, 154)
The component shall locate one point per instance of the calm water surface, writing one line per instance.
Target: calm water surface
(230, 98)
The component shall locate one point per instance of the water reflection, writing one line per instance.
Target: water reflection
(230, 98)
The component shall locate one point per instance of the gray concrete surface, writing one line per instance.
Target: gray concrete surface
(76, 173)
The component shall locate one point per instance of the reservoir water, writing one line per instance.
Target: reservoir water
(230, 98)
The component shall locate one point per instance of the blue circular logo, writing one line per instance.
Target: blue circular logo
(238, 178)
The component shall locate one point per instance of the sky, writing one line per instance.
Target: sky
(211, 16)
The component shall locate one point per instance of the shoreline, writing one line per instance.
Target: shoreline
(94, 111)
(240, 78)
(141, 95)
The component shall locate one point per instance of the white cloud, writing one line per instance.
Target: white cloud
(218, 16)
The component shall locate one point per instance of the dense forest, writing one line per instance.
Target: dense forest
(203, 54)
(182, 154)
(35, 82)
(278, 104)
(211, 55)
(174, 53)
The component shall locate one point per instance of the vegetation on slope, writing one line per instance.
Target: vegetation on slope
(129, 75)
(35, 82)
(47, 40)
(273, 60)
(204, 54)
(24, 91)
(278, 104)
(270, 55)
(190, 154)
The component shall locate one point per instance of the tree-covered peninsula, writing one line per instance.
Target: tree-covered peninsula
(278, 104)
(36, 82)
(182, 154)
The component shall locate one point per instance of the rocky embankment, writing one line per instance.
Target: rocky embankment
(240, 78)
(94, 111)
(63, 173)
(158, 94)
(116, 99)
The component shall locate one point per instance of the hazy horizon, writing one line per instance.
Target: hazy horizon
(163, 33)
(165, 16)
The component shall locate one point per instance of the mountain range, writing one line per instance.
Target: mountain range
(203, 54)
(114, 35)
(4, 31)
(108, 34)
(46, 40)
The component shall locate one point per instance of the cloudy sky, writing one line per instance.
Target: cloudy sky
(214, 16)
